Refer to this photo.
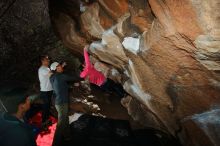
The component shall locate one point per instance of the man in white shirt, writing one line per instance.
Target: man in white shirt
(46, 90)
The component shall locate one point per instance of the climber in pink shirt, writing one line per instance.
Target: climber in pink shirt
(98, 78)
(89, 71)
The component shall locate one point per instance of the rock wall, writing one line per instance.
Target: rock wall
(167, 52)
(25, 34)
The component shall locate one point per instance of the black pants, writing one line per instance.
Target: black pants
(111, 86)
(46, 97)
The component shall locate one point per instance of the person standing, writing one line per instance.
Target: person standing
(59, 82)
(46, 90)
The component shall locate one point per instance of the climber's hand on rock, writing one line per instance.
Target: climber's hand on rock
(86, 47)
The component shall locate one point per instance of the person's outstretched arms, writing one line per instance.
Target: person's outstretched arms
(87, 65)
(86, 56)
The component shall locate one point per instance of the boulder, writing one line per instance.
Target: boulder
(115, 8)
(109, 46)
(95, 21)
(66, 28)
(141, 15)
(131, 44)
(172, 71)
(205, 126)
(123, 27)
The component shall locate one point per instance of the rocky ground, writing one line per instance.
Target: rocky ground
(92, 100)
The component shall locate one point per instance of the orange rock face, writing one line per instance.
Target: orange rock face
(66, 29)
(115, 8)
(141, 15)
(95, 21)
(173, 75)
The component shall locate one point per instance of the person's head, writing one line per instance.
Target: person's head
(55, 66)
(17, 101)
(45, 60)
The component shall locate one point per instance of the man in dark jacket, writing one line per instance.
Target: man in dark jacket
(13, 130)
(59, 82)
